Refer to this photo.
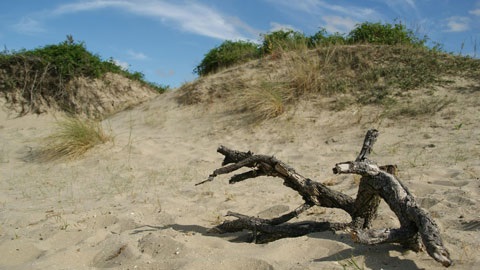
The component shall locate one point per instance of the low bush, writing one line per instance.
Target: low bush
(322, 38)
(283, 40)
(230, 53)
(386, 34)
(227, 54)
(39, 77)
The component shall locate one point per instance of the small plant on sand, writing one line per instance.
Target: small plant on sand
(72, 138)
(351, 264)
(266, 101)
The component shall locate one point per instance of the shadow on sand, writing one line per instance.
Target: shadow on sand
(375, 257)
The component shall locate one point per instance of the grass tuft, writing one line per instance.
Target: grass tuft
(72, 138)
(264, 101)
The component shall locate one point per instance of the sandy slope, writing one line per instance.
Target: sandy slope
(132, 204)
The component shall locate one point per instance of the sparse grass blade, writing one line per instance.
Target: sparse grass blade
(423, 107)
(72, 138)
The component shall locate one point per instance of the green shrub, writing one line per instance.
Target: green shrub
(70, 59)
(335, 39)
(235, 52)
(283, 40)
(323, 38)
(37, 77)
(225, 55)
(386, 34)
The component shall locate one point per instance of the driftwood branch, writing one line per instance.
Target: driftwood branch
(417, 228)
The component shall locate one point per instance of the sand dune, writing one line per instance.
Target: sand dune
(132, 203)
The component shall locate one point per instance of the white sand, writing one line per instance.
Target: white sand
(132, 204)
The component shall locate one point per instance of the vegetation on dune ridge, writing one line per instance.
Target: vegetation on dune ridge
(377, 64)
(234, 52)
(38, 78)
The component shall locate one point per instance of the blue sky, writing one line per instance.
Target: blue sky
(165, 40)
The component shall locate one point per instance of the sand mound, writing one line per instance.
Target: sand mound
(82, 96)
(133, 204)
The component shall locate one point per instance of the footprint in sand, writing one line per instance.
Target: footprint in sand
(114, 252)
(160, 247)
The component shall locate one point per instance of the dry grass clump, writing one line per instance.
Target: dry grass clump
(264, 101)
(72, 138)
(327, 70)
(305, 73)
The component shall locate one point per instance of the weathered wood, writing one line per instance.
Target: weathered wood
(377, 182)
(267, 230)
(368, 142)
(413, 219)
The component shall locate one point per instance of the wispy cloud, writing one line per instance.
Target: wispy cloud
(316, 7)
(457, 24)
(475, 12)
(188, 16)
(29, 26)
(122, 64)
(335, 17)
(402, 6)
(136, 55)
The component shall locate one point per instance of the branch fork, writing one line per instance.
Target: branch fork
(417, 228)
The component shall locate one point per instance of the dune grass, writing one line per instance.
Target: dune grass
(72, 138)
(385, 66)
(265, 101)
(384, 76)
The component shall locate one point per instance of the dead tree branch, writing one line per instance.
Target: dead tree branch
(417, 228)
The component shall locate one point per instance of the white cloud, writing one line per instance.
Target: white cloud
(339, 24)
(458, 24)
(86, 6)
(239, 24)
(404, 5)
(333, 17)
(188, 16)
(475, 12)
(136, 55)
(122, 64)
(318, 7)
(29, 26)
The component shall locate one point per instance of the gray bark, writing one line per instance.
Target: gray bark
(417, 228)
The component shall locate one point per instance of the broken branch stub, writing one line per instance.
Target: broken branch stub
(377, 182)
